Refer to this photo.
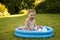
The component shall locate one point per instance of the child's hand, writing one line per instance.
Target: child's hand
(40, 27)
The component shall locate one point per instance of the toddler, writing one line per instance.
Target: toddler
(30, 21)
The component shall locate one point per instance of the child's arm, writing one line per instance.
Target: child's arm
(27, 24)
(35, 23)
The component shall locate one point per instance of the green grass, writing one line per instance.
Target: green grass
(8, 25)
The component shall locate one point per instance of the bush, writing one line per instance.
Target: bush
(3, 11)
(51, 6)
(15, 6)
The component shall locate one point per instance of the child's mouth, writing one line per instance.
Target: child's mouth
(32, 18)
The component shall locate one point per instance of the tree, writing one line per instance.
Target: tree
(15, 6)
(51, 6)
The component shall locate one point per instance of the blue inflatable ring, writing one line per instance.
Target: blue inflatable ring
(34, 34)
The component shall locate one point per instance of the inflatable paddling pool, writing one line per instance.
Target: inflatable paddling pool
(34, 34)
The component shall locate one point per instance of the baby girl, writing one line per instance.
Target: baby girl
(30, 21)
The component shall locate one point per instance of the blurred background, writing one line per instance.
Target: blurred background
(41, 6)
(14, 12)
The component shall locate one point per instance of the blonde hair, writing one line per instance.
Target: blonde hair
(31, 10)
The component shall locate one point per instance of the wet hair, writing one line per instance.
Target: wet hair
(31, 10)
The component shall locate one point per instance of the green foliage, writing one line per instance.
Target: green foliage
(52, 6)
(15, 6)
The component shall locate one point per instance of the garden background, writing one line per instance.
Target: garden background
(48, 14)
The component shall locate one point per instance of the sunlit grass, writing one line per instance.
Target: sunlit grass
(8, 25)
(38, 2)
(21, 13)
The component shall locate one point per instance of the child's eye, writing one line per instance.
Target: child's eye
(32, 15)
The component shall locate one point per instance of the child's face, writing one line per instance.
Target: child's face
(32, 15)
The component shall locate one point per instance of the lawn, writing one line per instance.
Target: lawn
(8, 25)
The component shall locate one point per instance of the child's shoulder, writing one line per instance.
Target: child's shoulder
(26, 20)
